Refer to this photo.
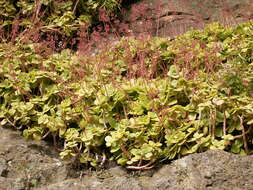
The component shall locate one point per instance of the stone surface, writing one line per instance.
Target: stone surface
(24, 164)
(3, 167)
(35, 166)
(212, 170)
(174, 17)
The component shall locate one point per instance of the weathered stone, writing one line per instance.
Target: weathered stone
(32, 165)
(212, 170)
(26, 164)
(3, 167)
(174, 17)
(93, 183)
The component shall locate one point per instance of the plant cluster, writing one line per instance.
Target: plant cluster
(138, 103)
(38, 20)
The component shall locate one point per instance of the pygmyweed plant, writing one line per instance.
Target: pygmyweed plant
(137, 100)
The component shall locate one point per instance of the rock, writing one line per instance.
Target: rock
(12, 184)
(35, 166)
(26, 164)
(72, 184)
(212, 170)
(3, 167)
(93, 183)
(122, 183)
(112, 179)
(174, 17)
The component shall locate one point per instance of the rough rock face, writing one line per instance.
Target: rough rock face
(174, 17)
(24, 164)
(212, 170)
(35, 166)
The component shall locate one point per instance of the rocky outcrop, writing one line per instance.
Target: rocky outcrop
(27, 164)
(35, 165)
(174, 17)
(212, 170)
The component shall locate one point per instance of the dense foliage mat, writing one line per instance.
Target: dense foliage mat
(40, 20)
(137, 102)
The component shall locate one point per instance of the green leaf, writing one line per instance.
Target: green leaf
(237, 146)
(250, 122)
(218, 102)
(122, 161)
(44, 119)
(71, 134)
(176, 137)
(109, 140)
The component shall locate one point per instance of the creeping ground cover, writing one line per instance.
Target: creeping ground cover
(139, 102)
(57, 22)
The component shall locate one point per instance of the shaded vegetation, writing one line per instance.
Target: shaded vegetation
(53, 20)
